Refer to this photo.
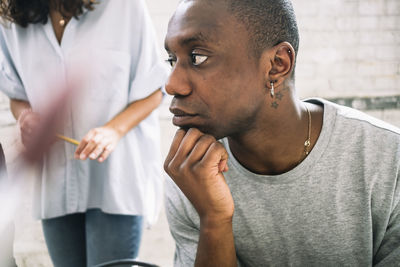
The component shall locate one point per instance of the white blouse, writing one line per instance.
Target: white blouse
(112, 51)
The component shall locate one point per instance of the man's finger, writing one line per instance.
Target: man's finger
(179, 135)
(187, 144)
(223, 165)
(215, 157)
(200, 148)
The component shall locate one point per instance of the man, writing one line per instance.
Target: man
(289, 183)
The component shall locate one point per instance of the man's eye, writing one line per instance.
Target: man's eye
(171, 61)
(198, 59)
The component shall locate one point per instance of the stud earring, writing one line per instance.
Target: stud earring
(272, 91)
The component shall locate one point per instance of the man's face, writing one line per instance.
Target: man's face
(217, 86)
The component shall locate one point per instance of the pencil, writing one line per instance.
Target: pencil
(69, 140)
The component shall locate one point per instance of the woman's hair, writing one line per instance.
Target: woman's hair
(23, 12)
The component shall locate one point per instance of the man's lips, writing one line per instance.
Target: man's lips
(180, 113)
(181, 117)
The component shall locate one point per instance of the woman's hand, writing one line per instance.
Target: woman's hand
(98, 144)
(28, 122)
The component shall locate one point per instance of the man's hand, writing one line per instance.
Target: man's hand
(28, 122)
(195, 162)
(98, 143)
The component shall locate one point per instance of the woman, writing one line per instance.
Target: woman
(93, 198)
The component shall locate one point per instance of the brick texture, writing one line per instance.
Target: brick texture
(352, 45)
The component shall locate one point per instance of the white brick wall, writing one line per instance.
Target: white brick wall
(347, 48)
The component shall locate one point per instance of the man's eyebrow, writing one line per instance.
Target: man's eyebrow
(198, 37)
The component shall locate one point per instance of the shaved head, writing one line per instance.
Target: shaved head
(269, 22)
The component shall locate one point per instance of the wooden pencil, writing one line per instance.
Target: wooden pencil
(69, 140)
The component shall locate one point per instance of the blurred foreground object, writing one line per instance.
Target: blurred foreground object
(51, 121)
(6, 222)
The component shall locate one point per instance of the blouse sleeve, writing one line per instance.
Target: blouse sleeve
(10, 82)
(150, 72)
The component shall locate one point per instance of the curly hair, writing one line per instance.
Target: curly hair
(24, 12)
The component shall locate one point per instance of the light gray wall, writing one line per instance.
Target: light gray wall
(348, 48)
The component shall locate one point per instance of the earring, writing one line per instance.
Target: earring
(272, 91)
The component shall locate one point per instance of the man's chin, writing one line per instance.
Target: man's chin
(203, 129)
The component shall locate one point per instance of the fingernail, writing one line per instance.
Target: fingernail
(92, 156)
(83, 156)
(101, 159)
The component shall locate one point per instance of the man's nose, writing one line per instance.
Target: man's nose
(178, 82)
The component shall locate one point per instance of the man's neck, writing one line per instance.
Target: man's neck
(277, 144)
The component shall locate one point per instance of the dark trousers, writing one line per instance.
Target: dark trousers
(92, 238)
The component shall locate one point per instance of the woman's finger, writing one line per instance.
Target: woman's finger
(85, 140)
(106, 152)
(91, 146)
(97, 151)
(29, 122)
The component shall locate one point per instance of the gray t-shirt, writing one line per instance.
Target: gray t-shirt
(339, 207)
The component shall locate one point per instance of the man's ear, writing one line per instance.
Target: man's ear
(282, 61)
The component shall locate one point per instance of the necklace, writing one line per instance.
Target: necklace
(307, 143)
(61, 22)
